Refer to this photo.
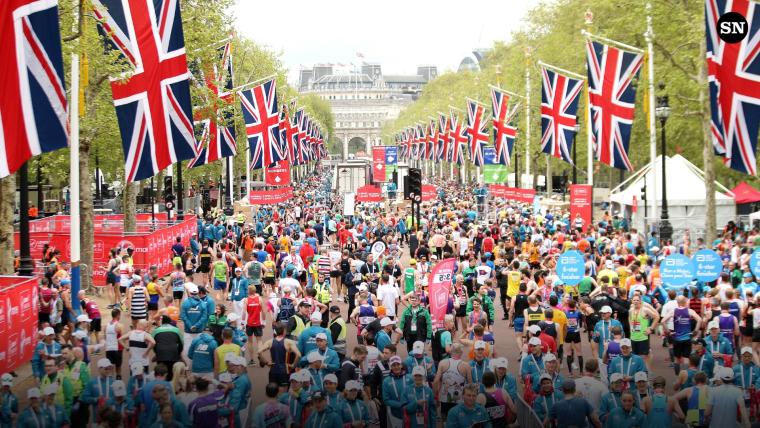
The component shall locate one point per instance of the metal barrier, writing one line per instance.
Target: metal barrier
(526, 417)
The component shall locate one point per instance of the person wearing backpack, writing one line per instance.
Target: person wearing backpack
(443, 338)
(297, 322)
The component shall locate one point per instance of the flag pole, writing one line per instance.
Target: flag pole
(611, 42)
(74, 220)
(561, 70)
(649, 35)
(263, 79)
(527, 115)
(589, 19)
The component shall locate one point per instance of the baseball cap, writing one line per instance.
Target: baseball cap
(534, 329)
(295, 377)
(330, 378)
(334, 309)
(353, 385)
(48, 331)
(534, 341)
(304, 376)
(313, 357)
(412, 262)
(480, 345)
(317, 395)
(50, 389)
(302, 302)
(616, 377)
(104, 363)
(726, 373)
(239, 361)
(225, 377)
(119, 389)
(287, 289)
(395, 360)
(609, 265)
(33, 393)
(747, 275)
(418, 348)
(418, 371)
(83, 318)
(233, 317)
(712, 324)
(699, 341)
(550, 357)
(641, 377)
(362, 287)
(605, 310)
(386, 322)
(6, 379)
(191, 288)
(79, 334)
(321, 336)
(746, 350)
(229, 358)
(316, 316)
(545, 376)
(238, 269)
(625, 342)
(501, 362)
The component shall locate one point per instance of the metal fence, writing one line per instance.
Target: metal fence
(526, 417)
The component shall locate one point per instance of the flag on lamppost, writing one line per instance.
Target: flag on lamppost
(559, 105)
(504, 133)
(262, 124)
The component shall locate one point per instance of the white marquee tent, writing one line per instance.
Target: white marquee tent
(686, 196)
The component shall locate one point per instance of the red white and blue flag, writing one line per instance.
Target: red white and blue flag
(457, 140)
(504, 133)
(431, 140)
(262, 124)
(443, 137)
(218, 139)
(734, 77)
(289, 134)
(477, 137)
(33, 107)
(298, 119)
(559, 106)
(611, 100)
(153, 104)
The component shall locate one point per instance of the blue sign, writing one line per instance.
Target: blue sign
(489, 156)
(391, 155)
(571, 267)
(754, 261)
(676, 270)
(707, 265)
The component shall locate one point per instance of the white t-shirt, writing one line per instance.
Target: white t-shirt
(668, 309)
(591, 389)
(388, 294)
(292, 282)
(464, 245)
(484, 273)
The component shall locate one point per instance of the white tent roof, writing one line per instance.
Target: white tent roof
(686, 185)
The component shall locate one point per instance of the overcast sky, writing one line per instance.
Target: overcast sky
(399, 34)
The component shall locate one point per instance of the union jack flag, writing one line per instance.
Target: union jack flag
(33, 108)
(443, 137)
(734, 76)
(262, 124)
(289, 134)
(432, 140)
(458, 138)
(504, 134)
(559, 105)
(219, 140)
(477, 137)
(611, 100)
(153, 104)
(297, 123)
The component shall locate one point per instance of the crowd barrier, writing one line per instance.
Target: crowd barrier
(18, 321)
(151, 241)
(526, 417)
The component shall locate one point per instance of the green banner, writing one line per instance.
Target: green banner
(389, 170)
(495, 174)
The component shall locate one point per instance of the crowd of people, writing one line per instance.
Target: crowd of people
(343, 329)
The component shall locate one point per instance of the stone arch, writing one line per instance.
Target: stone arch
(357, 144)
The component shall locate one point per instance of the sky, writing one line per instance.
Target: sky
(398, 34)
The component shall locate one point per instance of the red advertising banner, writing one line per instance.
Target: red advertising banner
(268, 197)
(278, 174)
(512, 193)
(378, 164)
(18, 321)
(429, 192)
(369, 193)
(439, 289)
(581, 202)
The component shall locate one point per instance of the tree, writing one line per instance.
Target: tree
(7, 202)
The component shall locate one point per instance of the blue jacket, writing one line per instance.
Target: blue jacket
(201, 353)
(627, 366)
(193, 315)
(307, 341)
(38, 365)
(602, 331)
(239, 288)
(153, 415)
(619, 418)
(354, 411)
(7, 409)
(421, 393)
(426, 362)
(530, 366)
(462, 417)
(395, 394)
(295, 403)
(29, 419)
(326, 418)
(56, 416)
(543, 404)
(236, 400)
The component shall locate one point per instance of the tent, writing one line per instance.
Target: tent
(746, 198)
(686, 196)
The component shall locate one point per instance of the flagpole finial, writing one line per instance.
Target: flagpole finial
(588, 17)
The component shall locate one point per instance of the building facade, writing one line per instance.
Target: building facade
(363, 100)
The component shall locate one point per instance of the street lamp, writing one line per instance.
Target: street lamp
(663, 112)
(577, 128)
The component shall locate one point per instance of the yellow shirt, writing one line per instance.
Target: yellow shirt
(285, 244)
(270, 268)
(513, 283)
(561, 319)
(152, 288)
(222, 351)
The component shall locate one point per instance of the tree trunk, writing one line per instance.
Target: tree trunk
(707, 152)
(7, 202)
(87, 229)
(129, 203)
(549, 178)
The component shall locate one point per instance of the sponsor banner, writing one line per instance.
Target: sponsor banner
(278, 174)
(512, 193)
(581, 202)
(18, 321)
(571, 267)
(707, 265)
(754, 263)
(391, 162)
(369, 193)
(439, 289)
(429, 192)
(378, 164)
(676, 270)
(269, 197)
(493, 172)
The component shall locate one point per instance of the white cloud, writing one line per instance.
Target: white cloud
(399, 34)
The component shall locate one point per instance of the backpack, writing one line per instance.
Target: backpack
(436, 348)
(287, 309)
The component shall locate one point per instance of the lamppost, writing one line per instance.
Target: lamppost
(577, 128)
(180, 194)
(663, 112)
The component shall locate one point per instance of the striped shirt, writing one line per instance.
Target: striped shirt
(139, 303)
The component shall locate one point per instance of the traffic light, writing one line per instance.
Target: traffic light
(415, 182)
(644, 193)
(168, 189)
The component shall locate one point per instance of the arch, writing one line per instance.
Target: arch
(357, 144)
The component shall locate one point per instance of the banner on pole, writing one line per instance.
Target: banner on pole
(267, 197)
(439, 290)
(18, 321)
(429, 192)
(391, 162)
(676, 270)
(581, 202)
(571, 267)
(369, 193)
(378, 164)
(493, 171)
(512, 193)
(278, 174)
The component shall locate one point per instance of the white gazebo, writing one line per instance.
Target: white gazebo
(687, 193)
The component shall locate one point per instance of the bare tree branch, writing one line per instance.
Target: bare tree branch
(669, 56)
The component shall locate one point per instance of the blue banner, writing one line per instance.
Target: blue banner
(754, 263)
(707, 265)
(676, 270)
(489, 156)
(571, 267)
(391, 155)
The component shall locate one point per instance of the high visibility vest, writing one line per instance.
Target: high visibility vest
(323, 293)
(340, 344)
(59, 398)
(300, 326)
